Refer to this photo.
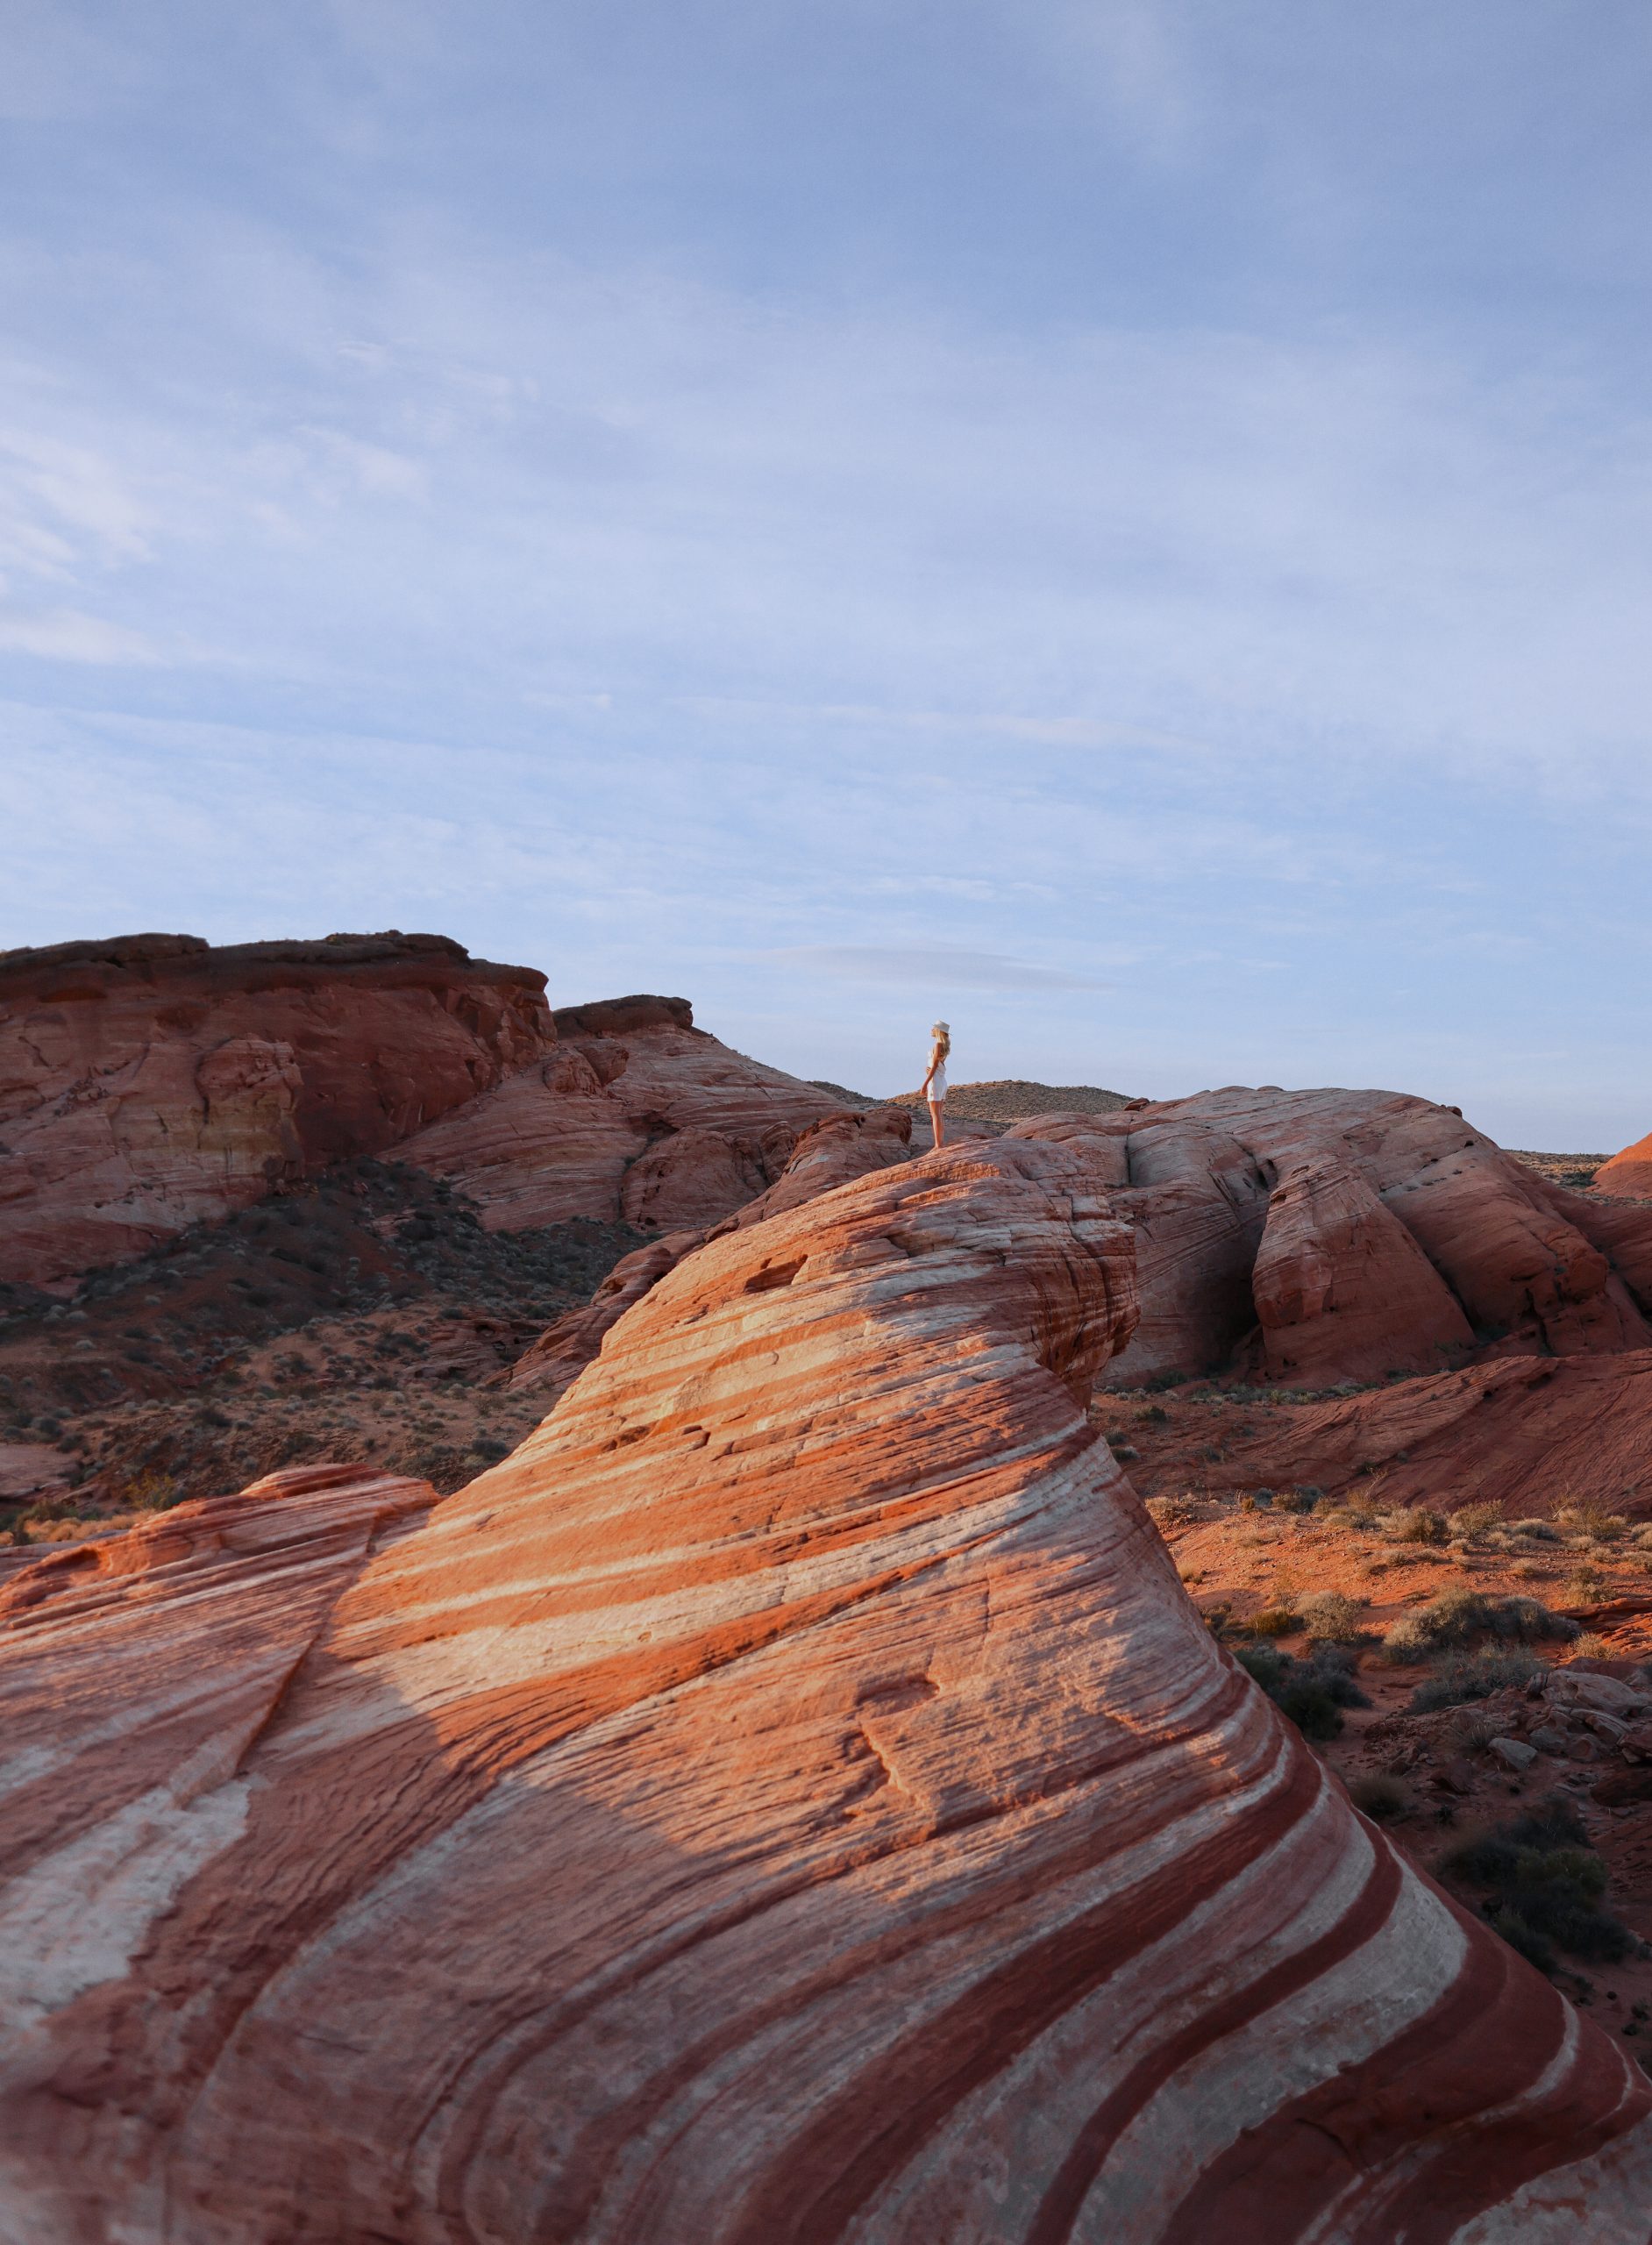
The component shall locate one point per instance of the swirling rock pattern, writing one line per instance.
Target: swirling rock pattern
(790, 1799)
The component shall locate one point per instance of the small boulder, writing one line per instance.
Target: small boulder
(1583, 1749)
(1514, 1753)
(1548, 1738)
(1455, 1776)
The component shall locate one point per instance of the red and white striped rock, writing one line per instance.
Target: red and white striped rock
(791, 1799)
(831, 1153)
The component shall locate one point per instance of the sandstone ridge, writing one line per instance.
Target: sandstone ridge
(791, 1798)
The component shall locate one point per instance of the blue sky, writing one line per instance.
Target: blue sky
(1127, 525)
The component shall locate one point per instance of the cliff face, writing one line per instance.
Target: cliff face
(150, 1082)
(791, 1798)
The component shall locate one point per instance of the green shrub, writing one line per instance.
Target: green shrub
(1544, 1885)
(1383, 1799)
(1311, 1691)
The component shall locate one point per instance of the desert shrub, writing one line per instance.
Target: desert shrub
(1585, 1586)
(1298, 1501)
(1413, 1524)
(1475, 1519)
(1332, 1616)
(1590, 1646)
(1472, 1677)
(1160, 1380)
(1592, 1519)
(152, 1491)
(1535, 1532)
(1312, 1692)
(1544, 1885)
(1643, 1537)
(1275, 1621)
(1457, 1617)
(1383, 1799)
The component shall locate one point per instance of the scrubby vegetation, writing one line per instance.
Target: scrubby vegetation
(1540, 1886)
(1333, 1618)
(1472, 1677)
(1311, 1691)
(1383, 1799)
(1458, 1616)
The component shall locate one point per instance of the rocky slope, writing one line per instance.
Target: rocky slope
(151, 1081)
(793, 1798)
(1628, 1175)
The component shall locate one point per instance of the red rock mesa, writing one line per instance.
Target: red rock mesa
(152, 1080)
(791, 1798)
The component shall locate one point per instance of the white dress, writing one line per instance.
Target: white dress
(937, 1081)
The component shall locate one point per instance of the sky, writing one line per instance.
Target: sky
(1123, 524)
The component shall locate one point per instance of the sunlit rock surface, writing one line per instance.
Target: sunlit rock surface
(791, 1798)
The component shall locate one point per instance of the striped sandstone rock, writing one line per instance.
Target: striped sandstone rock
(791, 1799)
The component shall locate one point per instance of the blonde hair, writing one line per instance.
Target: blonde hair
(942, 1037)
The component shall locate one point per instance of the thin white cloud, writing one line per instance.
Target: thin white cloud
(64, 635)
(938, 965)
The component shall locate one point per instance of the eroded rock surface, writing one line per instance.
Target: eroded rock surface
(152, 1081)
(792, 1798)
(654, 1124)
(1627, 1175)
(1312, 1238)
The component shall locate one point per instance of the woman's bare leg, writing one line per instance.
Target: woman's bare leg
(937, 1121)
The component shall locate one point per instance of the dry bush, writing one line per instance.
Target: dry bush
(1592, 1646)
(1413, 1524)
(1585, 1586)
(1476, 1518)
(1332, 1617)
(1535, 1532)
(1458, 1616)
(1592, 1520)
(1274, 1622)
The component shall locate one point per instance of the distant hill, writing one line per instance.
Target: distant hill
(1008, 1099)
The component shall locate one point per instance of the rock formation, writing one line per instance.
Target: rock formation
(1627, 1175)
(1531, 1434)
(791, 1798)
(654, 1121)
(150, 1082)
(832, 1153)
(1320, 1237)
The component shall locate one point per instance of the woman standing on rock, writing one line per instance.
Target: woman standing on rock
(935, 1082)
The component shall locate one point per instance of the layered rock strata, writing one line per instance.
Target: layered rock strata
(792, 1798)
(832, 1153)
(652, 1121)
(152, 1081)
